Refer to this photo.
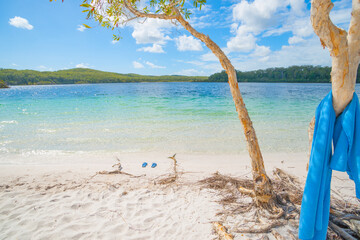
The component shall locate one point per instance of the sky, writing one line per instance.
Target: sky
(255, 34)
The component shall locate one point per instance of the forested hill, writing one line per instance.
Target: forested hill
(300, 74)
(83, 75)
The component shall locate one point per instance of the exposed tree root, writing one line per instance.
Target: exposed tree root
(292, 236)
(264, 237)
(283, 209)
(221, 231)
(264, 228)
(277, 235)
(340, 231)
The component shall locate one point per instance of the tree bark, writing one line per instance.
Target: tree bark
(344, 49)
(262, 183)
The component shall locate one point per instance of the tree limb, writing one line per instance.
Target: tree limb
(340, 231)
(335, 39)
(354, 40)
(330, 35)
(354, 33)
(137, 13)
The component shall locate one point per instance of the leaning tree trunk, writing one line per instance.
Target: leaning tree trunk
(262, 184)
(344, 49)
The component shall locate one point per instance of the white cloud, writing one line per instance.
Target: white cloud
(14, 64)
(188, 43)
(44, 68)
(211, 68)
(264, 18)
(194, 62)
(153, 65)
(256, 19)
(209, 57)
(155, 48)
(298, 6)
(151, 31)
(114, 41)
(295, 40)
(258, 14)
(309, 52)
(243, 41)
(137, 64)
(341, 17)
(191, 72)
(264, 59)
(81, 28)
(82, 65)
(20, 22)
(253, 18)
(261, 51)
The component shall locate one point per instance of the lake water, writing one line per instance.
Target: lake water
(165, 117)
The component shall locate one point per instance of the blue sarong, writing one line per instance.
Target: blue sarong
(343, 133)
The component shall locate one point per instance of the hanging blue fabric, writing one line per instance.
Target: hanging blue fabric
(344, 133)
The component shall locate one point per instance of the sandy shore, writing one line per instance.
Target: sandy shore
(62, 197)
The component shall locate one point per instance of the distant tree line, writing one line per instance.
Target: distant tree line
(295, 74)
(298, 74)
(82, 75)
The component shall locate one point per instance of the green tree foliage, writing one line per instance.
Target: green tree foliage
(294, 74)
(3, 84)
(83, 75)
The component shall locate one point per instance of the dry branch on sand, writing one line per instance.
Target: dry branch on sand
(222, 232)
(118, 170)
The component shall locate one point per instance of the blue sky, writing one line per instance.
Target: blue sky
(256, 34)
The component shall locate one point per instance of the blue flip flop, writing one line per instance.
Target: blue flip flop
(153, 165)
(144, 164)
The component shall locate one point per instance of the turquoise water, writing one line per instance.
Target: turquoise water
(166, 117)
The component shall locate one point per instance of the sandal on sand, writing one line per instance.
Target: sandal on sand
(144, 164)
(153, 165)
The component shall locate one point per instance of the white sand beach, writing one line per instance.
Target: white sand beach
(62, 197)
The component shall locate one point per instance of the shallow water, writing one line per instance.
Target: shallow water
(170, 117)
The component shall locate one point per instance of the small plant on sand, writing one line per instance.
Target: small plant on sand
(172, 177)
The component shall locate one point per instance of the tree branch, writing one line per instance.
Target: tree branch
(335, 39)
(137, 13)
(330, 36)
(354, 34)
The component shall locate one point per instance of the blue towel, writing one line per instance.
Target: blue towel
(344, 133)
